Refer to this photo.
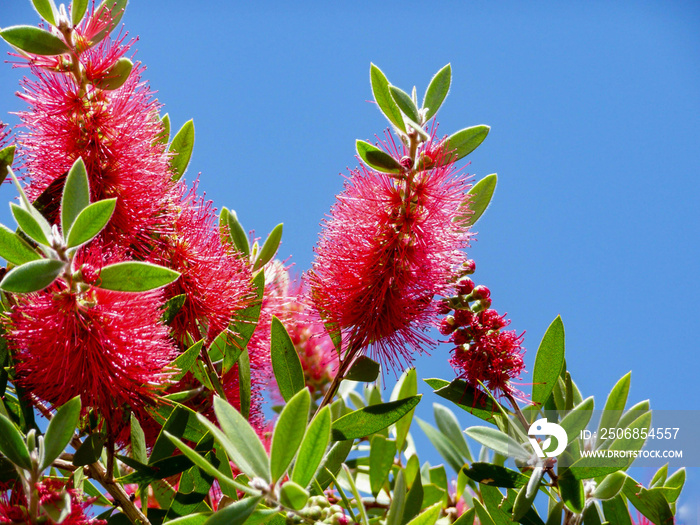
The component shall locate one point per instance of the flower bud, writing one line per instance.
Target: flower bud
(463, 317)
(481, 304)
(448, 325)
(444, 308)
(465, 286)
(468, 267)
(406, 162)
(481, 292)
(462, 336)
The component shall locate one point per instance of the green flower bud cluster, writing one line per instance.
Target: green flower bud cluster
(320, 510)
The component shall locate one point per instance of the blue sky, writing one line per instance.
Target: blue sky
(595, 119)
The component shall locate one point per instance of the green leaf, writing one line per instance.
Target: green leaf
(237, 234)
(77, 11)
(406, 386)
(313, 448)
(450, 427)
(30, 225)
(363, 369)
(371, 419)
(382, 95)
(12, 445)
(139, 450)
(7, 157)
(269, 247)
(437, 91)
(285, 361)
(200, 518)
(288, 433)
(181, 147)
(381, 458)
(675, 482)
(115, 76)
(443, 445)
(498, 441)
(577, 419)
(186, 360)
(467, 518)
(172, 307)
(615, 404)
(60, 430)
(244, 383)
(616, 511)
(484, 516)
(43, 7)
(332, 463)
(571, 491)
(90, 451)
(243, 325)
(135, 276)
(609, 487)
(247, 452)
(377, 158)
(108, 14)
(405, 103)
(465, 397)
(398, 502)
(548, 362)
(293, 495)
(14, 249)
(76, 195)
(479, 199)
(429, 516)
(235, 514)
(34, 40)
(90, 222)
(32, 276)
(495, 475)
(414, 498)
(650, 502)
(526, 495)
(463, 142)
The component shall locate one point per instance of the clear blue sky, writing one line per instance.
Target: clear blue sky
(595, 115)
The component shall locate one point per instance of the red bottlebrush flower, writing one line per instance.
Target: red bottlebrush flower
(216, 282)
(388, 248)
(108, 347)
(14, 507)
(489, 354)
(114, 132)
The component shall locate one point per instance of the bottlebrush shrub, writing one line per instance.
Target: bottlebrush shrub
(141, 330)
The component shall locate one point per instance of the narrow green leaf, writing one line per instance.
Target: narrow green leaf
(381, 458)
(90, 222)
(269, 247)
(405, 103)
(313, 448)
(7, 157)
(437, 91)
(498, 441)
(248, 450)
(76, 195)
(179, 420)
(495, 475)
(371, 419)
(77, 11)
(484, 516)
(467, 518)
(186, 360)
(14, 249)
(236, 513)
(363, 369)
(609, 487)
(32, 276)
(34, 40)
(60, 430)
(43, 7)
(450, 427)
(12, 445)
(181, 147)
(332, 462)
(615, 404)
(138, 441)
(293, 495)
(571, 491)
(358, 498)
(478, 200)
(616, 511)
(577, 419)
(135, 276)
(285, 361)
(90, 451)
(244, 383)
(526, 495)
(650, 502)
(465, 397)
(172, 307)
(108, 14)
(164, 136)
(115, 76)
(243, 325)
(443, 445)
(675, 483)
(548, 362)
(398, 502)
(429, 516)
(378, 159)
(380, 89)
(288, 433)
(237, 234)
(463, 142)
(200, 518)
(30, 225)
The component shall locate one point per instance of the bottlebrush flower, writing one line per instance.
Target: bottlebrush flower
(487, 353)
(114, 132)
(14, 507)
(389, 246)
(108, 347)
(215, 281)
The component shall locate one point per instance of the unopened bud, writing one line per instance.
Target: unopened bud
(444, 308)
(465, 286)
(481, 304)
(448, 325)
(481, 292)
(406, 162)
(468, 267)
